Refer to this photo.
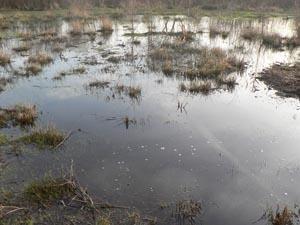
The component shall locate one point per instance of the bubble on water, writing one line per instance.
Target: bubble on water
(179, 154)
(116, 180)
(142, 146)
(175, 150)
(146, 159)
(162, 148)
(285, 194)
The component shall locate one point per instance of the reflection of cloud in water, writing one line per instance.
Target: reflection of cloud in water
(63, 93)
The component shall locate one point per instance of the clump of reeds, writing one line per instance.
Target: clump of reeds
(160, 54)
(33, 68)
(251, 34)
(167, 67)
(284, 217)
(40, 58)
(22, 48)
(49, 189)
(272, 40)
(214, 31)
(4, 59)
(195, 87)
(44, 137)
(23, 115)
(106, 25)
(76, 28)
(98, 84)
(133, 92)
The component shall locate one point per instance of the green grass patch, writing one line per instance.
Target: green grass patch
(48, 137)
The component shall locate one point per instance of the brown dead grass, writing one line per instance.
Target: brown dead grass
(285, 79)
(4, 59)
(106, 25)
(40, 58)
(22, 115)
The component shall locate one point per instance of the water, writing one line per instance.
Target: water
(237, 152)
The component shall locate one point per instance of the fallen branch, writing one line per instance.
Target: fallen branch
(64, 140)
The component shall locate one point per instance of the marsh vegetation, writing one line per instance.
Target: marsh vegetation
(154, 104)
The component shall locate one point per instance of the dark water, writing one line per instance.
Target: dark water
(236, 152)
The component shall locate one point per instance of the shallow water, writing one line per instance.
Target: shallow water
(237, 152)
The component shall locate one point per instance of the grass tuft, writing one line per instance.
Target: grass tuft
(131, 91)
(106, 25)
(3, 139)
(284, 217)
(22, 48)
(196, 87)
(250, 34)
(99, 84)
(272, 41)
(22, 115)
(48, 190)
(4, 59)
(33, 68)
(40, 58)
(47, 137)
(76, 28)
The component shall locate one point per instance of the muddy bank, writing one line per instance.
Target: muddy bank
(284, 78)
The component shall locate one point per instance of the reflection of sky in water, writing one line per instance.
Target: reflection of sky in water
(236, 151)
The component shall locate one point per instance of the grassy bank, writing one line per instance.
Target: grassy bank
(118, 12)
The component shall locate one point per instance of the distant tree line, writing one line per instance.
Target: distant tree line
(206, 4)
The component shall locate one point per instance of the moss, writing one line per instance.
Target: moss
(3, 139)
(48, 137)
